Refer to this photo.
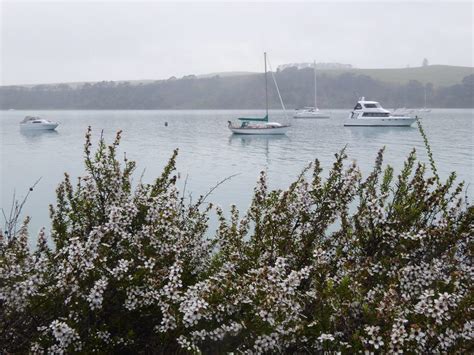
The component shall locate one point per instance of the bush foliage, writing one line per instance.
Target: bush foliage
(342, 263)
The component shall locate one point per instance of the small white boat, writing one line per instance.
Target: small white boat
(260, 125)
(371, 113)
(312, 112)
(424, 109)
(37, 123)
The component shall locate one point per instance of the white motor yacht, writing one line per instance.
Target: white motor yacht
(37, 123)
(371, 113)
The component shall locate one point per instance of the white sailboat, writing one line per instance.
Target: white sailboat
(424, 109)
(259, 125)
(312, 112)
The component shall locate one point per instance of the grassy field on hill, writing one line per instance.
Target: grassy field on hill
(438, 75)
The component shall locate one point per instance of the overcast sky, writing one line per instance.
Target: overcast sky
(47, 42)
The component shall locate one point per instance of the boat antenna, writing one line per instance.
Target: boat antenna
(266, 90)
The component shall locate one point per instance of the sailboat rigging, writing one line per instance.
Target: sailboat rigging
(312, 112)
(259, 125)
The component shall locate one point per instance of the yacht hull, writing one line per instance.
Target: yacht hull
(260, 131)
(380, 122)
(39, 126)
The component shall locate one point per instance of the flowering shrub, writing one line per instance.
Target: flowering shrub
(342, 263)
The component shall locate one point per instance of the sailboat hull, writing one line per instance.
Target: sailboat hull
(260, 130)
(311, 115)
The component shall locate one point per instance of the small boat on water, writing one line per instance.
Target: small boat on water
(260, 125)
(424, 109)
(371, 113)
(37, 123)
(256, 126)
(312, 112)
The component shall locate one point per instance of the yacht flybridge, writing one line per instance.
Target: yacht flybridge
(37, 123)
(260, 125)
(371, 113)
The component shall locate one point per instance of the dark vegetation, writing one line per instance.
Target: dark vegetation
(240, 92)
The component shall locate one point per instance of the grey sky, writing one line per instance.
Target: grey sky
(45, 42)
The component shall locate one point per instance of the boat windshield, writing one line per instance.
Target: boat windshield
(29, 119)
(358, 107)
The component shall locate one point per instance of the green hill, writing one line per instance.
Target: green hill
(438, 75)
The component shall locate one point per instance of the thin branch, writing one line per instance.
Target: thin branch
(10, 223)
(203, 198)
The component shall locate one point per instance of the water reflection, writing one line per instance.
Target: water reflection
(246, 140)
(259, 146)
(34, 136)
(369, 133)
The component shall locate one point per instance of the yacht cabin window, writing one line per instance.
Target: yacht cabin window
(358, 107)
(370, 105)
(375, 114)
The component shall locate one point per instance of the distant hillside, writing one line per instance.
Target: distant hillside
(226, 74)
(445, 86)
(144, 81)
(438, 75)
(319, 66)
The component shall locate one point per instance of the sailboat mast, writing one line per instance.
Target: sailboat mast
(266, 89)
(315, 90)
(425, 97)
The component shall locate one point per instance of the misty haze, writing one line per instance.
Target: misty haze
(236, 177)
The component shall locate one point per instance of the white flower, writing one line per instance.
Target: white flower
(324, 337)
(96, 294)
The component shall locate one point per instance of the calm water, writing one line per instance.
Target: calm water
(209, 153)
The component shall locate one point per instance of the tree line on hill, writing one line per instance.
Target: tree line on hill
(238, 92)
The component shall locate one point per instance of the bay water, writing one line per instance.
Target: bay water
(209, 153)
